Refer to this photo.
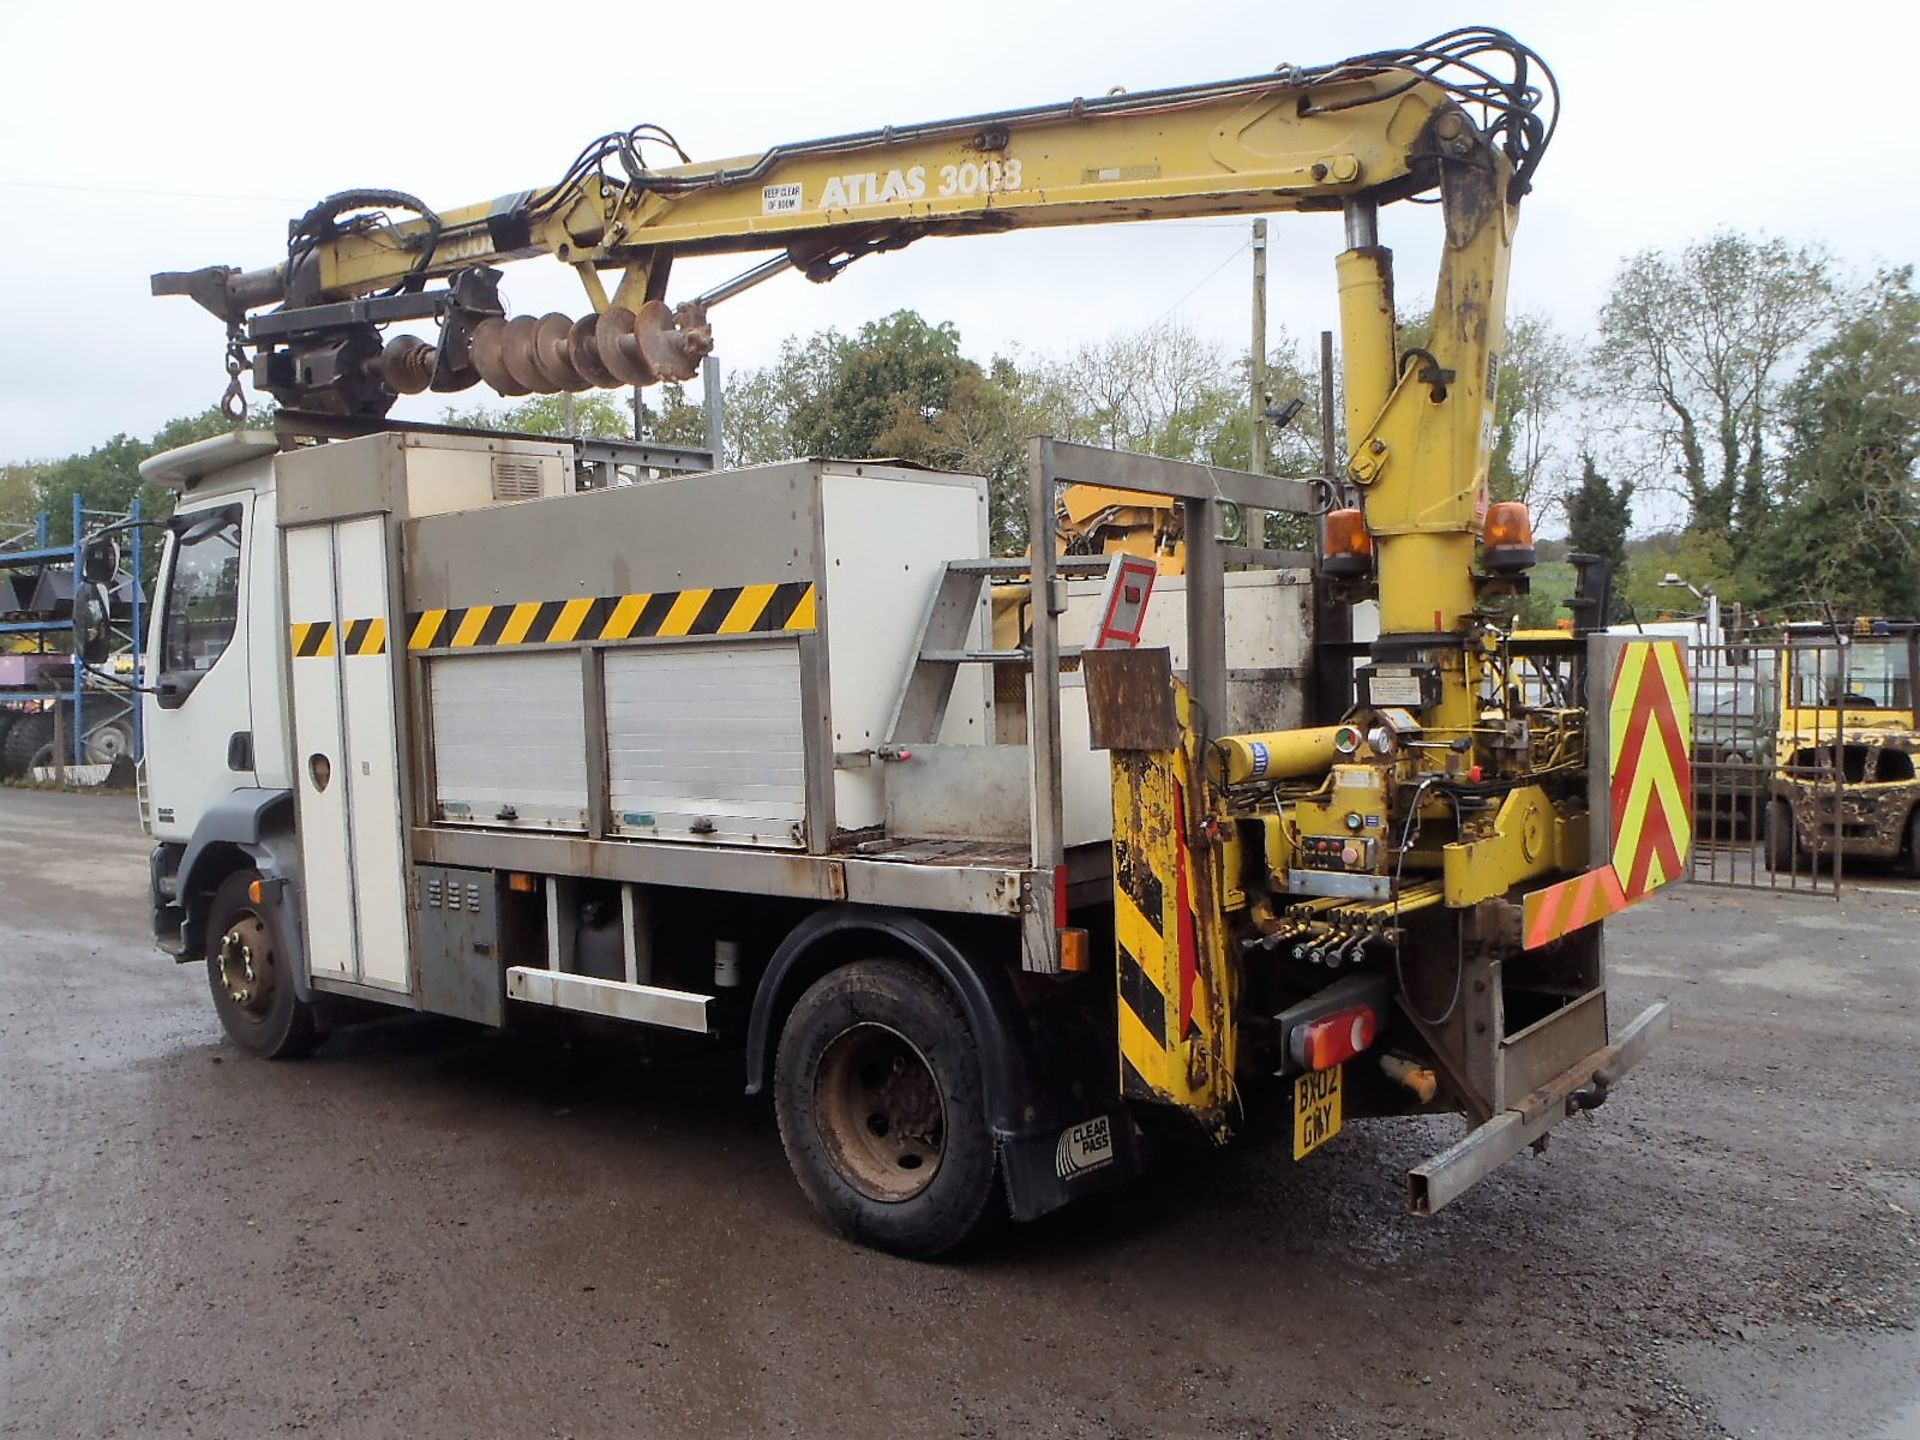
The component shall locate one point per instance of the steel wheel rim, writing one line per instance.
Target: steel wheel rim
(881, 1114)
(248, 968)
(108, 744)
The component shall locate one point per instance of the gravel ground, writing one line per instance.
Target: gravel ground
(429, 1231)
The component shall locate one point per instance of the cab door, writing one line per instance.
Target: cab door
(199, 715)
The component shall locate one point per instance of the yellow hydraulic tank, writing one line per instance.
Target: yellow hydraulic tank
(1278, 755)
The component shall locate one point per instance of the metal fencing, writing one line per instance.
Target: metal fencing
(1770, 779)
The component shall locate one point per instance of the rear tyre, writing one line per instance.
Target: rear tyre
(1782, 852)
(878, 1091)
(1910, 857)
(28, 742)
(251, 976)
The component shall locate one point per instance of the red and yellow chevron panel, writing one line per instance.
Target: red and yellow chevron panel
(1649, 796)
(1650, 723)
(1560, 909)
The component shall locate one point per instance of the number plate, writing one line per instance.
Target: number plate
(1316, 1110)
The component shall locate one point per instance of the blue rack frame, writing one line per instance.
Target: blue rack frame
(41, 554)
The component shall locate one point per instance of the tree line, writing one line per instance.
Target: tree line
(1745, 415)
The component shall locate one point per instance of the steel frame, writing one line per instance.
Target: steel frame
(82, 685)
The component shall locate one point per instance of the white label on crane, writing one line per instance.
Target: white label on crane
(1394, 686)
(893, 187)
(1123, 606)
(780, 199)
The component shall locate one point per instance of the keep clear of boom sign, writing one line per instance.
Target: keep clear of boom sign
(1123, 604)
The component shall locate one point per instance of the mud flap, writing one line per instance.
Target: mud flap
(1047, 1171)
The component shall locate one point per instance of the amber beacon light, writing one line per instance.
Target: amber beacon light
(1509, 538)
(1348, 548)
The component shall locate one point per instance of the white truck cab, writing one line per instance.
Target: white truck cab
(216, 720)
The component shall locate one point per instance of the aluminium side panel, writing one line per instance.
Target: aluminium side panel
(458, 917)
(666, 539)
(887, 534)
(375, 797)
(318, 738)
(705, 742)
(509, 739)
(459, 472)
(645, 577)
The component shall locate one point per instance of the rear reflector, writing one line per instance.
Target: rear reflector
(1073, 951)
(1338, 1037)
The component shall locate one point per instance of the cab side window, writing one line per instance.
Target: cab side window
(203, 596)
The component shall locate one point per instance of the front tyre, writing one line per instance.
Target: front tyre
(251, 976)
(878, 1092)
(1783, 851)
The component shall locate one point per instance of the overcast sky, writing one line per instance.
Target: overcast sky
(169, 136)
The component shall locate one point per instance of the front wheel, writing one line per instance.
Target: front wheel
(1781, 849)
(878, 1091)
(251, 976)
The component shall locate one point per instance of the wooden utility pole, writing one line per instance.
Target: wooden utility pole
(710, 397)
(1328, 452)
(1257, 371)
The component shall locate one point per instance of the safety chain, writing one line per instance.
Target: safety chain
(233, 404)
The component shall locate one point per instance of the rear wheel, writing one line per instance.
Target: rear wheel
(1910, 857)
(109, 742)
(878, 1091)
(1782, 851)
(251, 976)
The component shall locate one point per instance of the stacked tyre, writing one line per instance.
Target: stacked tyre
(26, 740)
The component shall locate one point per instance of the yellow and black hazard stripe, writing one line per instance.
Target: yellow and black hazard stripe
(1140, 954)
(1174, 1040)
(322, 637)
(787, 608)
(656, 615)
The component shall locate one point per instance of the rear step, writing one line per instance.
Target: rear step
(616, 999)
(1446, 1176)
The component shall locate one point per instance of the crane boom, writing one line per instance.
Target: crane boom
(1365, 130)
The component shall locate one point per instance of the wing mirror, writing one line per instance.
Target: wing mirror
(99, 562)
(92, 634)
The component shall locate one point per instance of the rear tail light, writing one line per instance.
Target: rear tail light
(1332, 1039)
